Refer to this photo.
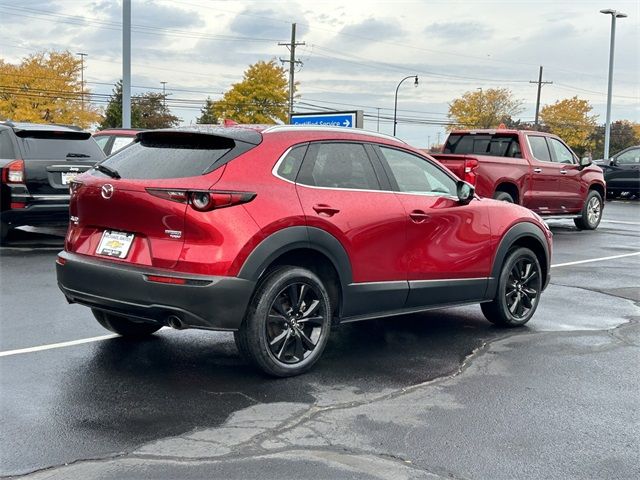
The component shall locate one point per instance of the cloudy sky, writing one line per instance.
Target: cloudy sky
(355, 52)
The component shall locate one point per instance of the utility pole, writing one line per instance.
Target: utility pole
(82, 55)
(292, 63)
(164, 95)
(540, 83)
(438, 139)
(126, 63)
(378, 119)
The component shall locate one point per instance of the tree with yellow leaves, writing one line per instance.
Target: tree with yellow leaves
(484, 108)
(570, 119)
(45, 88)
(261, 97)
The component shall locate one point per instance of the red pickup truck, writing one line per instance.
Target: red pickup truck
(534, 169)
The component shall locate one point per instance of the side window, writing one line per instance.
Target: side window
(630, 157)
(339, 165)
(291, 164)
(539, 148)
(417, 175)
(102, 140)
(120, 142)
(6, 147)
(562, 153)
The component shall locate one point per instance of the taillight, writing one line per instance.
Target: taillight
(470, 175)
(13, 172)
(203, 200)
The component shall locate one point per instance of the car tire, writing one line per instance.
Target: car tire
(503, 197)
(288, 322)
(124, 326)
(591, 212)
(518, 292)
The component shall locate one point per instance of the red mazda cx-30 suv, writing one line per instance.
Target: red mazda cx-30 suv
(276, 233)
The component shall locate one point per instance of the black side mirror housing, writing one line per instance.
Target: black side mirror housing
(465, 192)
(613, 162)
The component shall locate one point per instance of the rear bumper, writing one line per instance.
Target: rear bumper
(37, 214)
(216, 303)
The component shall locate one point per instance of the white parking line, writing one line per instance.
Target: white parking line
(57, 345)
(621, 221)
(108, 337)
(590, 260)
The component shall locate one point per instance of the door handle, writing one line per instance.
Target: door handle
(418, 216)
(563, 171)
(326, 210)
(537, 170)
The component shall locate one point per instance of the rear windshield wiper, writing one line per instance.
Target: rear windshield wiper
(107, 171)
(77, 155)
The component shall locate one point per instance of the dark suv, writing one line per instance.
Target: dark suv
(278, 233)
(37, 163)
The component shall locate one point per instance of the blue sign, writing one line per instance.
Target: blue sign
(325, 119)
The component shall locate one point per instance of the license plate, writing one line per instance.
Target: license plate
(115, 244)
(67, 177)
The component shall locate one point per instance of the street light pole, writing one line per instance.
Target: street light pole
(607, 127)
(82, 55)
(395, 107)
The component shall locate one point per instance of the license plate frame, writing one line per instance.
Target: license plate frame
(115, 244)
(67, 177)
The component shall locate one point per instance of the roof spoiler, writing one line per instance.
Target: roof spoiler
(60, 134)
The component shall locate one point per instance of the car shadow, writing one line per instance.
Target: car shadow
(175, 381)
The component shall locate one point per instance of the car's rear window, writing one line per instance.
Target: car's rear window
(59, 147)
(174, 156)
(495, 145)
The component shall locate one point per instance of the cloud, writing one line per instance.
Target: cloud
(458, 30)
(269, 22)
(373, 28)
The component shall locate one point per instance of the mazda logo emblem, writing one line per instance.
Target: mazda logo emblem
(107, 191)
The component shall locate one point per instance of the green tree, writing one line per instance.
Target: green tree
(147, 111)
(261, 97)
(484, 108)
(206, 113)
(46, 87)
(571, 120)
(623, 135)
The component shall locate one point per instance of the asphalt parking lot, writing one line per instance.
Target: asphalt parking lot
(437, 395)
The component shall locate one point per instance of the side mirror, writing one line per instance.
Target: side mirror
(585, 162)
(465, 192)
(613, 162)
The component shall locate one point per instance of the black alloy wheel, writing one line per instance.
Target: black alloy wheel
(287, 324)
(295, 323)
(521, 292)
(518, 291)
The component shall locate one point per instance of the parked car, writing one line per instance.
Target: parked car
(534, 169)
(622, 172)
(38, 162)
(278, 233)
(113, 139)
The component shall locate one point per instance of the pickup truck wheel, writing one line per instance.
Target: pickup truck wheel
(518, 292)
(288, 323)
(591, 212)
(503, 197)
(123, 326)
